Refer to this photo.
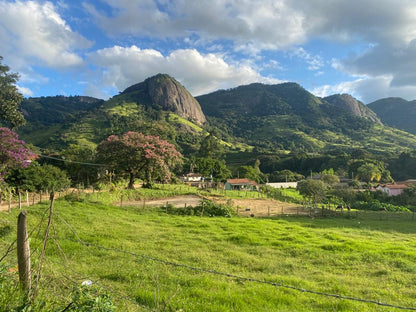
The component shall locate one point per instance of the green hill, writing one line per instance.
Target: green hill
(264, 118)
(287, 117)
(396, 112)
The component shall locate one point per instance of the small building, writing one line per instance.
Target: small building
(283, 184)
(392, 189)
(241, 185)
(192, 177)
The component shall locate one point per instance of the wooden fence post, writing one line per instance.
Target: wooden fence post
(27, 199)
(23, 252)
(202, 210)
(20, 198)
(10, 201)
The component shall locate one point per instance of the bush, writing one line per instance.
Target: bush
(375, 205)
(205, 208)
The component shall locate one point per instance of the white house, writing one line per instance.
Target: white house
(392, 189)
(283, 184)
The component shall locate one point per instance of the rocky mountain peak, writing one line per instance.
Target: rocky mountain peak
(166, 93)
(352, 105)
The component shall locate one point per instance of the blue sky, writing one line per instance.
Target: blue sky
(366, 48)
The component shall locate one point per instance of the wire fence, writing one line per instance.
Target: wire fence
(65, 263)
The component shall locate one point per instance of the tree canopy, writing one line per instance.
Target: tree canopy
(10, 98)
(313, 190)
(13, 153)
(139, 155)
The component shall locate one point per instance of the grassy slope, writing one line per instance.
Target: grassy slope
(371, 259)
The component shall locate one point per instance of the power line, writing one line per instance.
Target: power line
(71, 161)
(241, 278)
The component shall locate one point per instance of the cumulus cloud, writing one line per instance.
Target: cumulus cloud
(263, 23)
(368, 89)
(387, 27)
(34, 31)
(199, 73)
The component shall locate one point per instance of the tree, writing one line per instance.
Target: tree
(285, 176)
(79, 154)
(368, 173)
(329, 177)
(10, 98)
(211, 146)
(38, 178)
(212, 167)
(139, 155)
(13, 153)
(313, 190)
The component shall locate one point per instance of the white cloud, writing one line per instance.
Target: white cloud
(255, 23)
(315, 62)
(387, 27)
(34, 32)
(25, 91)
(368, 89)
(200, 73)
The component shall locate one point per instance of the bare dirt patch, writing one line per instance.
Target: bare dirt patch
(262, 207)
(178, 201)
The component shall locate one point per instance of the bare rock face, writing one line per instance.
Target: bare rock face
(166, 93)
(353, 106)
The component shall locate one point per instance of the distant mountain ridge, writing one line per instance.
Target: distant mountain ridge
(396, 112)
(270, 118)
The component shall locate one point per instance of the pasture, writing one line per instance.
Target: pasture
(147, 260)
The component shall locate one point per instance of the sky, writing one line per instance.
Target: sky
(366, 48)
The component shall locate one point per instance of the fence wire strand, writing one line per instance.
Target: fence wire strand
(230, 275)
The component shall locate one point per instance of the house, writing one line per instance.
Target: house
(241, 185)
(192, 177)
(392, 189)
(283, 184)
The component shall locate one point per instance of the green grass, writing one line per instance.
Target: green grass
(365, 259)
(178, 119)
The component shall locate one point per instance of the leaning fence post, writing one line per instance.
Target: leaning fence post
(23, 252)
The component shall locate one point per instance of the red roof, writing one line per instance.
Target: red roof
(241, 182)
(395, 186)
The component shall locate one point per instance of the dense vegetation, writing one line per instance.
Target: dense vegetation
(396, 112)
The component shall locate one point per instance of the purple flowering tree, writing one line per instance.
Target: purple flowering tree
(139, 155)
(13, 153)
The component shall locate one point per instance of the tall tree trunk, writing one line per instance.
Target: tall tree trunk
(131, 181)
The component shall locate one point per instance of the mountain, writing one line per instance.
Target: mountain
(165, 93)
(353, 106)
(158, 106)
(288, 117)
(48, 117)
(272, 119)
(396, 112)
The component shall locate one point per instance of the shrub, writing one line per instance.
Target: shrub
(375, 205)
(205, 208)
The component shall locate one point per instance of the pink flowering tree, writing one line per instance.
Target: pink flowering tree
(139, 155)
(13, 153)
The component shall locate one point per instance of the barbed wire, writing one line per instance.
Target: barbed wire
(231, 275)
(37, 227)
(98, 283)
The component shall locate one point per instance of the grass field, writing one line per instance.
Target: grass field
(365, 259)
